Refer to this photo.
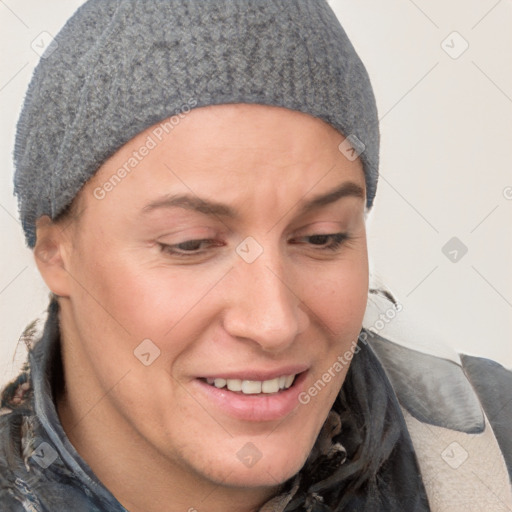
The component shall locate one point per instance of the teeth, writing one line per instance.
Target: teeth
(289, 381)
(234, 384)
(270, 386)
(219, 383)
(253, 387)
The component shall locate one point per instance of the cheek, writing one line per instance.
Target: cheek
(130, 302)
(339, 297)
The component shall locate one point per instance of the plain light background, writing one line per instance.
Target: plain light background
(443, 81)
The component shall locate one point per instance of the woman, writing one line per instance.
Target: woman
(194, 180)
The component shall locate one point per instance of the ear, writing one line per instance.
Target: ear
(51, 256)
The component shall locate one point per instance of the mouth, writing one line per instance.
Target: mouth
(253, 387)
(247, 398)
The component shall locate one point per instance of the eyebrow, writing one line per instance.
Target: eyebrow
(347, 189)
(194, 203)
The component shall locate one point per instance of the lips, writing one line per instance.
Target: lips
(253, 396)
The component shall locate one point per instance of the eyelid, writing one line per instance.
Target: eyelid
(187, 234)
(321, 228)
(173, 250)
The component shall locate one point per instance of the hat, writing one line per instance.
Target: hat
(120, 66)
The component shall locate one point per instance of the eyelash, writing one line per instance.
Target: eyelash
(337, 239)
(173, 251)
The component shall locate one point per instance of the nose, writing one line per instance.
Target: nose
(263, 307)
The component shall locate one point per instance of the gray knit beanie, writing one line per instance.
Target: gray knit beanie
(120, 66)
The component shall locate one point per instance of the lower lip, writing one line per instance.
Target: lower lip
(260, 407)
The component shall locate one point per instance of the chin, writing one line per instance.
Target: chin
(266, 472)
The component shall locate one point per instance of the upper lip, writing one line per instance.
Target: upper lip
(259, 375)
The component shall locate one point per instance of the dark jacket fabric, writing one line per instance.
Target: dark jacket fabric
(363, 460)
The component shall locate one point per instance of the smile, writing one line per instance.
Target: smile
(254, 396)
(253, 387)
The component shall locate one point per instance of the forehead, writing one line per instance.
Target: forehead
(227, 151)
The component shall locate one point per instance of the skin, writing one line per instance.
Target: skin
(147, 432)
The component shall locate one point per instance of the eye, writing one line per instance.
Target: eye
(190, 247)
(330, 241)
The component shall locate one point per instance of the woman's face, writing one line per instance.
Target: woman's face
(213, 283)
